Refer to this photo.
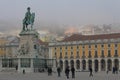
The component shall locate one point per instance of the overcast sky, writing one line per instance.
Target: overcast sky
(63, 12)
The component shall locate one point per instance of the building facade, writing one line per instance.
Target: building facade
(25, 52)
(12, 47)
(3, 42)
(101, 52)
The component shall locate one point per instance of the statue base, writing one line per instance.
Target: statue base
(28, 51)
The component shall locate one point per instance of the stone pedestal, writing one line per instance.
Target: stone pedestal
(29, 43)
(28, 49)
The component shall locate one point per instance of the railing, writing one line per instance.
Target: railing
(89, 56)
(66, 57)
(60, 57)
(102, 56)
(96, 56)
(71, 57)
(109, 55)
(116, 55)
(77, 56)
(83, 56)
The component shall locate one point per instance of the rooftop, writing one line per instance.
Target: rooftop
(78, 37)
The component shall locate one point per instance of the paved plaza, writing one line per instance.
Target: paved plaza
(44, 76)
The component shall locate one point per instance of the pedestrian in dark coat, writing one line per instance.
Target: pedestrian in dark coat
(23, 71)
(59, 71)
(116, 70)
(113, 70)
(73, 72)
(16, 67)
(91, 72)
(49, 71)
(67, 70)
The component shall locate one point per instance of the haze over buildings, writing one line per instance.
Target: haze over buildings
(57, 16)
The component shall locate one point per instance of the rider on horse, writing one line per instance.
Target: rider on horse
(29, 19)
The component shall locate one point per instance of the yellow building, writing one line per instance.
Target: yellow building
(101, 52)
(2, 46)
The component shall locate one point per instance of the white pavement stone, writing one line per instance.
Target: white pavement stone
(44, 76)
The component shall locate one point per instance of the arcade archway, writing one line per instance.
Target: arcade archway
(77, 64)
(71, 63)
(66, 63)
(116, 63)
(61, 64)
(89, 64)
(96, 65)
(83, 64)
(103, 65)
(109, 64)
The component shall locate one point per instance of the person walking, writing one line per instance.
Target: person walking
(73, 72)
(67, 70)
(16, 67)
(113, 70)
(116, 70)
(50, 71)
(91, 74)
(23, 71)
(59, 71)
(107, 71)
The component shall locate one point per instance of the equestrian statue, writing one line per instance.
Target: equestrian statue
(28, 20)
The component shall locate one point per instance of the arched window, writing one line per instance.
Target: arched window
(84, 65)
(77, 64)
(109, 53)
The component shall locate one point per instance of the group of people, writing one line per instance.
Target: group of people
(91, 74)
(67, 70)
(115, 70)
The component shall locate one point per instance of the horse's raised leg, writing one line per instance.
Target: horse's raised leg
(23, 27)
(31, 26)
(26, 27)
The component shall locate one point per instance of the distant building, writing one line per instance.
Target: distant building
(101, 52)
(94, 30)
(107, 29)
(46, 36)
(12, 46)
(43, 48)
(3, 42)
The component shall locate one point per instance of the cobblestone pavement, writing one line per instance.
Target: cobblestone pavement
(44, 76)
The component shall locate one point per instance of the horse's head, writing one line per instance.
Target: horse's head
(32, 17)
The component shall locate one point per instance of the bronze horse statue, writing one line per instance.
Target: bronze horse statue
(28, 20)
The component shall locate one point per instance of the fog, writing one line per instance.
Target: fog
(57, 16)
